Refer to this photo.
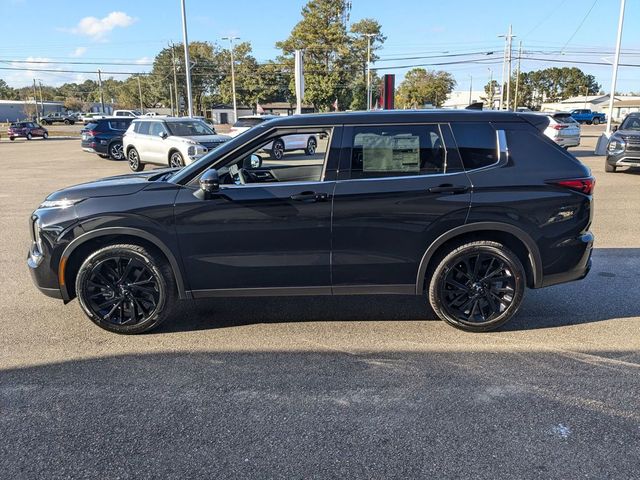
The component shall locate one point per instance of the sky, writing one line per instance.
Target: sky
(459, 36)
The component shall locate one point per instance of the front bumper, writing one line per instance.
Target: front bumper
(624, 159)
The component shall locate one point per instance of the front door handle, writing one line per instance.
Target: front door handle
(449, 188)
(310, 197)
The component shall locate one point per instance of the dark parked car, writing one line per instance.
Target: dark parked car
(624, 145)
(103, 136)
(465, 208)
(27, 130)
(51, 118)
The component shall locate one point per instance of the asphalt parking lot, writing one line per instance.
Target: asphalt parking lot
(350, 387)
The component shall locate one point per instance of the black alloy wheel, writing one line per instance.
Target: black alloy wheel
(311, 146)
(125, 288)
(115, 151)
(134, 160)
(176, 160)
(478, 286)
(277, 150)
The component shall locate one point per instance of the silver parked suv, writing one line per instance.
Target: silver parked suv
(174, 142)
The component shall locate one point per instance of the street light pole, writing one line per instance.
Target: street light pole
(101, 93)
(140, 95)
(616, 60)
(491, 91)
(233, 76)
(41, 100)
(187, 60)
(470, 87)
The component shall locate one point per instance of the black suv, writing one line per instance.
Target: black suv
(624, 145)
(103, 136)
(465, 208)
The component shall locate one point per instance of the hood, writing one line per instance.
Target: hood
(628, 133)
(110, 186)
(208, 138)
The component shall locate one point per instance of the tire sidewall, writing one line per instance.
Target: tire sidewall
(176, 155)
(278, 153)
(311, 146)
(83, 277)
(445, 265)
(113, 144)
(138, 165)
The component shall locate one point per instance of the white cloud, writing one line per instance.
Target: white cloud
(97, 28)
(78, 52)
(144, 61)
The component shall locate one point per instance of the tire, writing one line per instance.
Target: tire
(67, 122)
(277, 150)
(589, 122)
(134, 160)
(45, 135)
(609, 168)
(29, 136)
(12, 138)
(126, 289)
(596, 121)
(176, 160)
(312, 144)
(115, 151)
(467, 298)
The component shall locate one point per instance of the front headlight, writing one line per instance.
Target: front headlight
(191, 151)
(616, 146)
(64, 203)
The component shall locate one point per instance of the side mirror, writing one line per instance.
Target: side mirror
(614, 128)
(209, 183)
(251, 162)
(163, 135)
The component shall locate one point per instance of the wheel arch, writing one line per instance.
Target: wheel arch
(513, 237)
(75, 253)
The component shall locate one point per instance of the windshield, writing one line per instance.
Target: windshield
(631, 123)
(187, 128)
(248, 122)
(564, 118)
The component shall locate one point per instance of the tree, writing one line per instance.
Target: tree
(6, 92)
(73, 104)
(490, 90)
(421, 86)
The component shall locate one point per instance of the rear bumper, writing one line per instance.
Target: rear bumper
(567, 141)
(584, 248)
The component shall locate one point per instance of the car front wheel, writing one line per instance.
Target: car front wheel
(176, 160)
(311, 146)
(478, 286)
(29, 136)
(134, 160)
(45, 135)
(126, 288)
(277, 150)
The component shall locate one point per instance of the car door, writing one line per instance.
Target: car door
(400, 187)
(157, 147)
(142, 141)
(266, 238)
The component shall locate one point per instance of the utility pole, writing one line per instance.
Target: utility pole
(35, 98)
(504, 66)
(41, 100)
(470, 87)
(175, 79)
(100, 87)
(515, 99)
(187, 60)
(586, 94)
(171, 97)
(233, 76)
(507, 60)
(491, 92)
(140, 95)
(369, 35)
(616, 60)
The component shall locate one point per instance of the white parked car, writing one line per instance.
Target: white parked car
(563, 129)
(168, 141)
(245, 123)
(301, 141)
(126, 113)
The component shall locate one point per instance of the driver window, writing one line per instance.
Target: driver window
(156, 129)
(298, 157)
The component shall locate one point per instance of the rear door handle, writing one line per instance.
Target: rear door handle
(310, 197)
(448, 188)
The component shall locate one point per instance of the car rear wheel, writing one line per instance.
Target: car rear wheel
(176, 160)
(12, 138)
(609, 168)
(596, 121)
(126, 288)
(277, 150)
(311, 146)
(45, 135)
(115, 151)
(134, 160)
(67, 122)
(29, 136)
(478, 286)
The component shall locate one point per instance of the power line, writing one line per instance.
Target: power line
(579, 26)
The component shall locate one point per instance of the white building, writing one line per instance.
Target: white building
(462, 98)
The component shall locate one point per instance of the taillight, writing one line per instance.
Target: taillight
(91, 133)
(582, 185)
(557, 126)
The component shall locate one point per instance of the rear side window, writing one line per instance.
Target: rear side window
(118, 125)
(142, 128)
(397, 150)
(248, 122)
(477, 144)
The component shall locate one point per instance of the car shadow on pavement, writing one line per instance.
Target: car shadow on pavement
(603, 295)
